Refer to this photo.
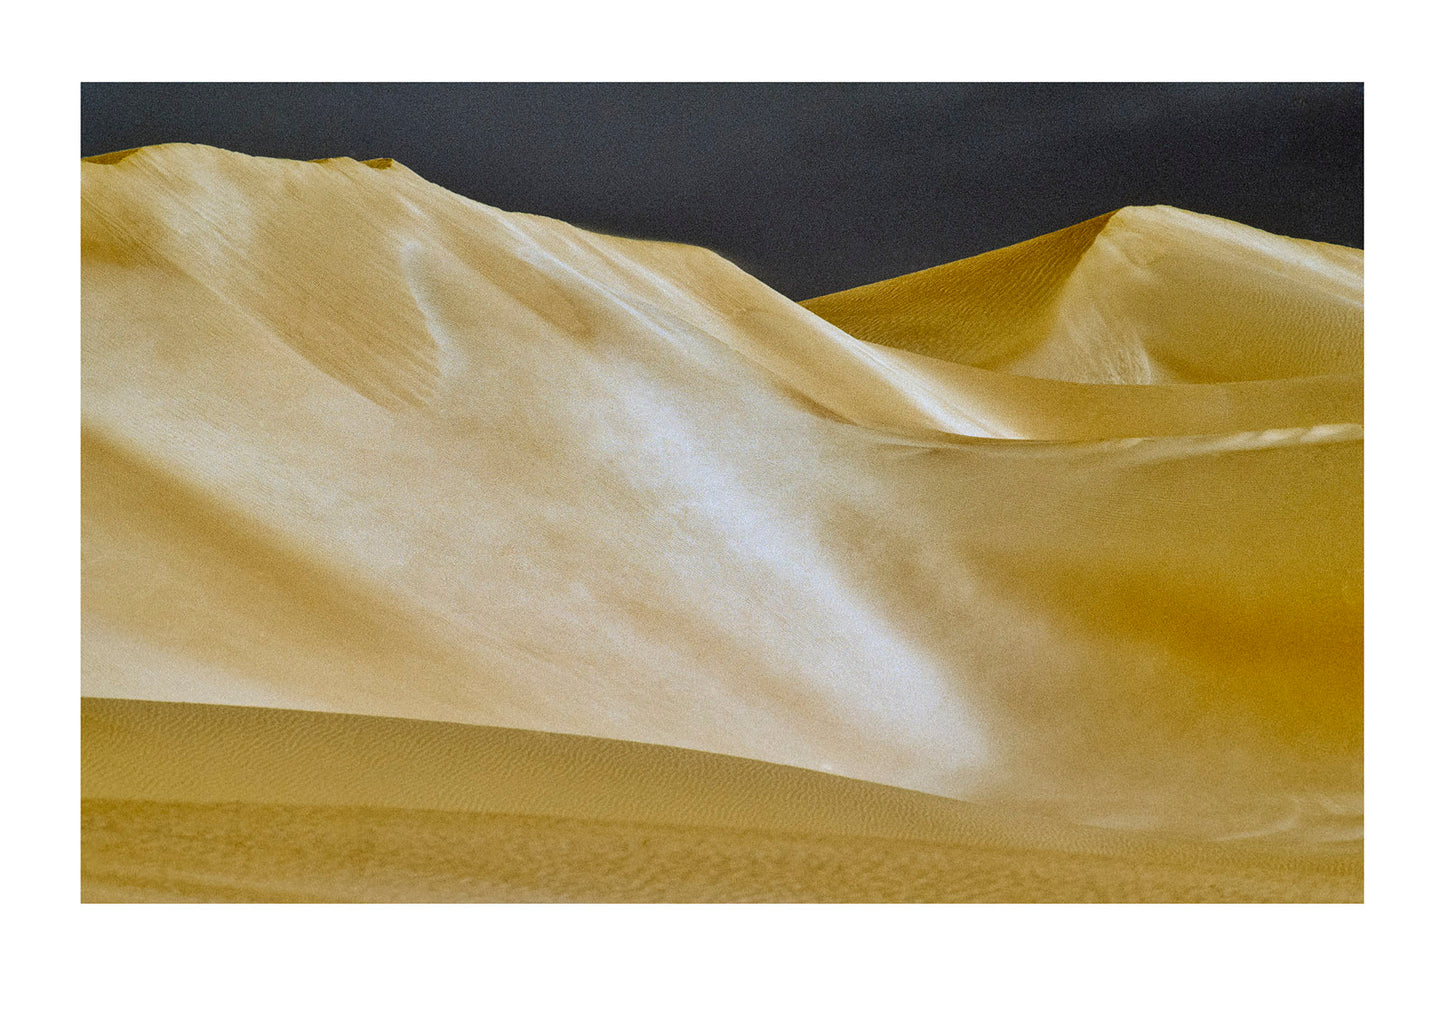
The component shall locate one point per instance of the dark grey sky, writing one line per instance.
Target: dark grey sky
(812, 188)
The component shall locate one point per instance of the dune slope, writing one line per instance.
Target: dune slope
(354, 445)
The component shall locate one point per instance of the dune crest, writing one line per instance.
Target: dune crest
(1069, 530)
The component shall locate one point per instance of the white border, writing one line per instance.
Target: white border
(1025, 961)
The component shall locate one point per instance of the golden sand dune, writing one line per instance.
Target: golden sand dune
(1141, 295)
(1077, 539)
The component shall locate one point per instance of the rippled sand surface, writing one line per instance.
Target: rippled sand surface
(431, 551)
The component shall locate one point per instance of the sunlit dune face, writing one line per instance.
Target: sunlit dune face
(1069, 532)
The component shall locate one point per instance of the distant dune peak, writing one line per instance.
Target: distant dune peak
(1143, 295)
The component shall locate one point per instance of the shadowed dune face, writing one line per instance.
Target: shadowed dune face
(986, 311)
(1071, 529)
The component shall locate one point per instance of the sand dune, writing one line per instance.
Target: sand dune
(1070, 532)
(1141, 295)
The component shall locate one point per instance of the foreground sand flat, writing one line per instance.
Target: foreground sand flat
(1067, 535)
(162, 851)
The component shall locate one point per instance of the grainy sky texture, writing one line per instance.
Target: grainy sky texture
(812, 188)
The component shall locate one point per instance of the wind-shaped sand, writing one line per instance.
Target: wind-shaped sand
(1073, 528)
